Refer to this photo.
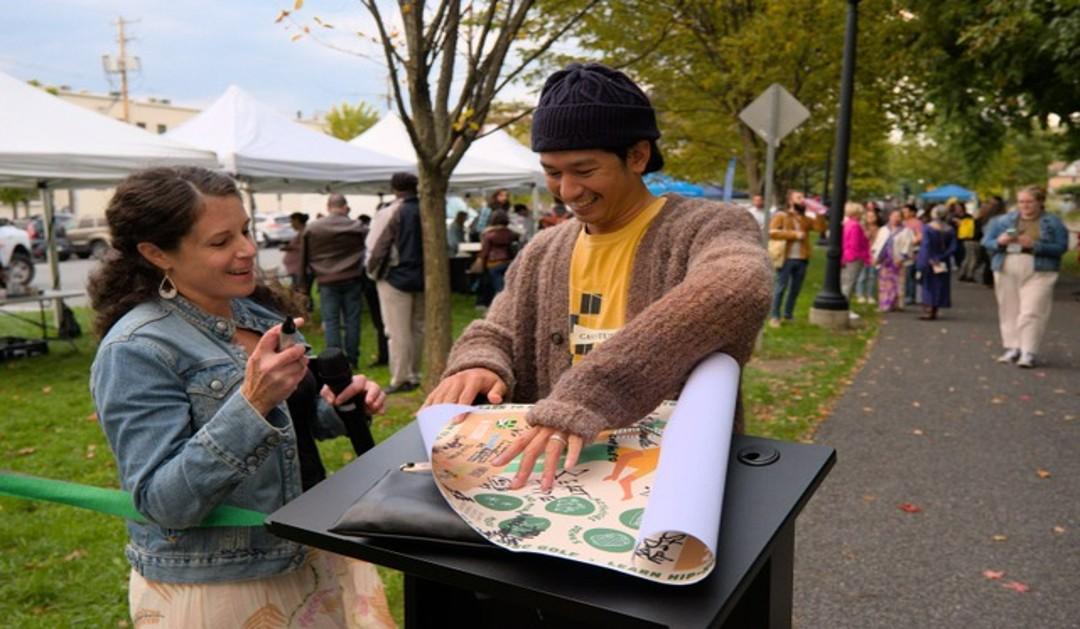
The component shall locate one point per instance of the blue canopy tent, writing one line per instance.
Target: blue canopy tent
(659, 183)
(946, 192)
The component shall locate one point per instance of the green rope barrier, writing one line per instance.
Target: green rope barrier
(110, 501)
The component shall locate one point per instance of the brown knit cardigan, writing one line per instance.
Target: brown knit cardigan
(701, 283)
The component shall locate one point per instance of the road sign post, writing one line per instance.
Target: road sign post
(773, 115)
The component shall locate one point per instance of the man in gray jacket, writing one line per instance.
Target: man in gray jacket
(333, 251)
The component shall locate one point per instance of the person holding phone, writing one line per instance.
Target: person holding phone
(190, 383)
(1026, 246)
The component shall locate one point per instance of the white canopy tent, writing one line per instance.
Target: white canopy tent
(46, 143)
(44, 139)
(268, 152)
(496, 160)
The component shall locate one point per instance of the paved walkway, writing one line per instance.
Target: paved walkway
(932, 421)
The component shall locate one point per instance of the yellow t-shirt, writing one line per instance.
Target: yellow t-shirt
(600, 271)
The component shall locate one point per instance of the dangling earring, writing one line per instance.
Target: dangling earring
(166, 289)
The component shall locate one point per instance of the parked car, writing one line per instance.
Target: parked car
(16, 263)
(275, 229)
(35, 227)
(89, 237)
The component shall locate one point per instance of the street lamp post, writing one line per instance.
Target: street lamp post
(830, 308)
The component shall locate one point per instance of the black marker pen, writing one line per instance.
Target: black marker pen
(288, 334)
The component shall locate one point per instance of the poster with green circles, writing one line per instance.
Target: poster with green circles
(594, 511)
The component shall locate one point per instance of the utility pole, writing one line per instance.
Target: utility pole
(122, 64)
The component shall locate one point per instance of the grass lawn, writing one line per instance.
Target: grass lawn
(61, 566)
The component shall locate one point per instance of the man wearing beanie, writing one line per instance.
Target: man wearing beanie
(603, 317)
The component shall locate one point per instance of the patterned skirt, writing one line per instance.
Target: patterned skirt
(329, 591)
(889, 285)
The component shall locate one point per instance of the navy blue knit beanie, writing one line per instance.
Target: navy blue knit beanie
(592, 106)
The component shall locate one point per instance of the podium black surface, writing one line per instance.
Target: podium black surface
(751, 585)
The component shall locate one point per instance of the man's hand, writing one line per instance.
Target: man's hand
(373, 395)
(1025, 241)
(464, 386)
(1004, 239)
(534, 442)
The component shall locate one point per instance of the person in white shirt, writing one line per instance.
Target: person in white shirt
(757, 210)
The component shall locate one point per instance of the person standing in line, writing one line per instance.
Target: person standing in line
(522, 222)
(856, 249)
(866, 288)
(995, 207)
(792, 226)
(757, 209)
(499, 200)
(401, 283)
(1026, 245)
(934, 262)
(955, 211)
(371, 297)
(383, 212)
(292, 258)
(455, 233)
(333, 248)
(558, 214)
(499, 245)
(914, 225)
(968, 235)
(891, 249)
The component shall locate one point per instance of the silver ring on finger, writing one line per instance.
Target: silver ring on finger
(557, 437)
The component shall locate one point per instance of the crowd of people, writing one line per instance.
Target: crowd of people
(207, 397)
(905, 256)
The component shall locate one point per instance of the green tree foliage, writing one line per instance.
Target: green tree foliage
(348, 121)
(1000, 64)
(705, 60)
(941, 157)
(13, 197)
(447, 61)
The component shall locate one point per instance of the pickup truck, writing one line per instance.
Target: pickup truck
(16, 263)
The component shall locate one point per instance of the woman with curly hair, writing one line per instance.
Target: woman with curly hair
(193, 386)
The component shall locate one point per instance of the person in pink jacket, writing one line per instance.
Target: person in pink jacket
(856, 251)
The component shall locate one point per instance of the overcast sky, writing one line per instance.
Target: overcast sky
(191, 50)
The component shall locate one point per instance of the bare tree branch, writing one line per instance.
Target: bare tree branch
(546, 45)
(313, 36)
(442, 90)
(392, 67)
(437, 23)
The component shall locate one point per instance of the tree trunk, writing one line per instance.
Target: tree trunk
(433, 187)
(751, 158)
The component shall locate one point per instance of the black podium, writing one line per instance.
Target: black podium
(768, 484)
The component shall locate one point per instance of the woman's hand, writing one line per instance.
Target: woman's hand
(374, 397)
(1004, 239)
(532, 442)
(1025, 241)
(271, 376)
(464, 386)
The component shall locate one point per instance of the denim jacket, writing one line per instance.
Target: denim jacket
(166, 383)
(1052, 244)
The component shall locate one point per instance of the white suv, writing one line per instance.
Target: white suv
(16, 264)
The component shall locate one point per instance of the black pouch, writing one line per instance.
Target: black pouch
(407, 505)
